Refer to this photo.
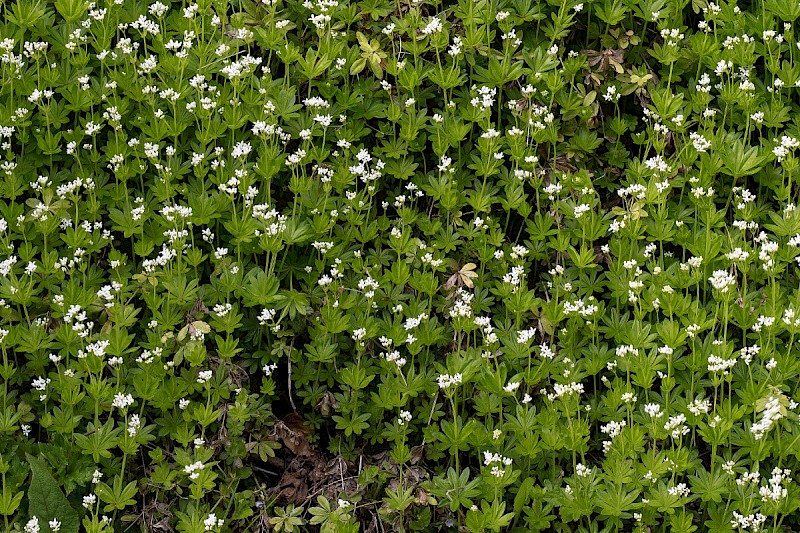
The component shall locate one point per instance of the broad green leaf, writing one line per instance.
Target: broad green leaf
(46, 501)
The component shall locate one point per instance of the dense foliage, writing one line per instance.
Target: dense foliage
(374, 265)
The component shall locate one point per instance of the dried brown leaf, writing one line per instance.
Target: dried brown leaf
(293, 433)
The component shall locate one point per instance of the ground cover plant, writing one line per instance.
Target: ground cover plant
(394, 265)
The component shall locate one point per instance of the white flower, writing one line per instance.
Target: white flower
(405, 416)
(446, 381)
(700, 143)
(774, 491)
(611, 94)
(158, 9)
(525, 335)
(134, 424)
(582, 471)
(581, 209)
(491, 458)
(434, 26)
(676, 425)
(122, 401)
(719, 364)
(89, 500)
(679, 490)
(699, 406)
(212, 522)
(193, 469)
(32, 526)
(497, 471)
(241, 149)
(40, 383)
(722, 280)
(629, 397)
(695, 261)
(266, 316)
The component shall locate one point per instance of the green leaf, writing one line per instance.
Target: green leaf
(710, 486)
(740, 160)
(71, 10)
(617, 502)
(352, 423)
(259, 288)
(117, 497)
(98, 440)
(524, 495)
(294, 302)
(45, 499)
(8, 503)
